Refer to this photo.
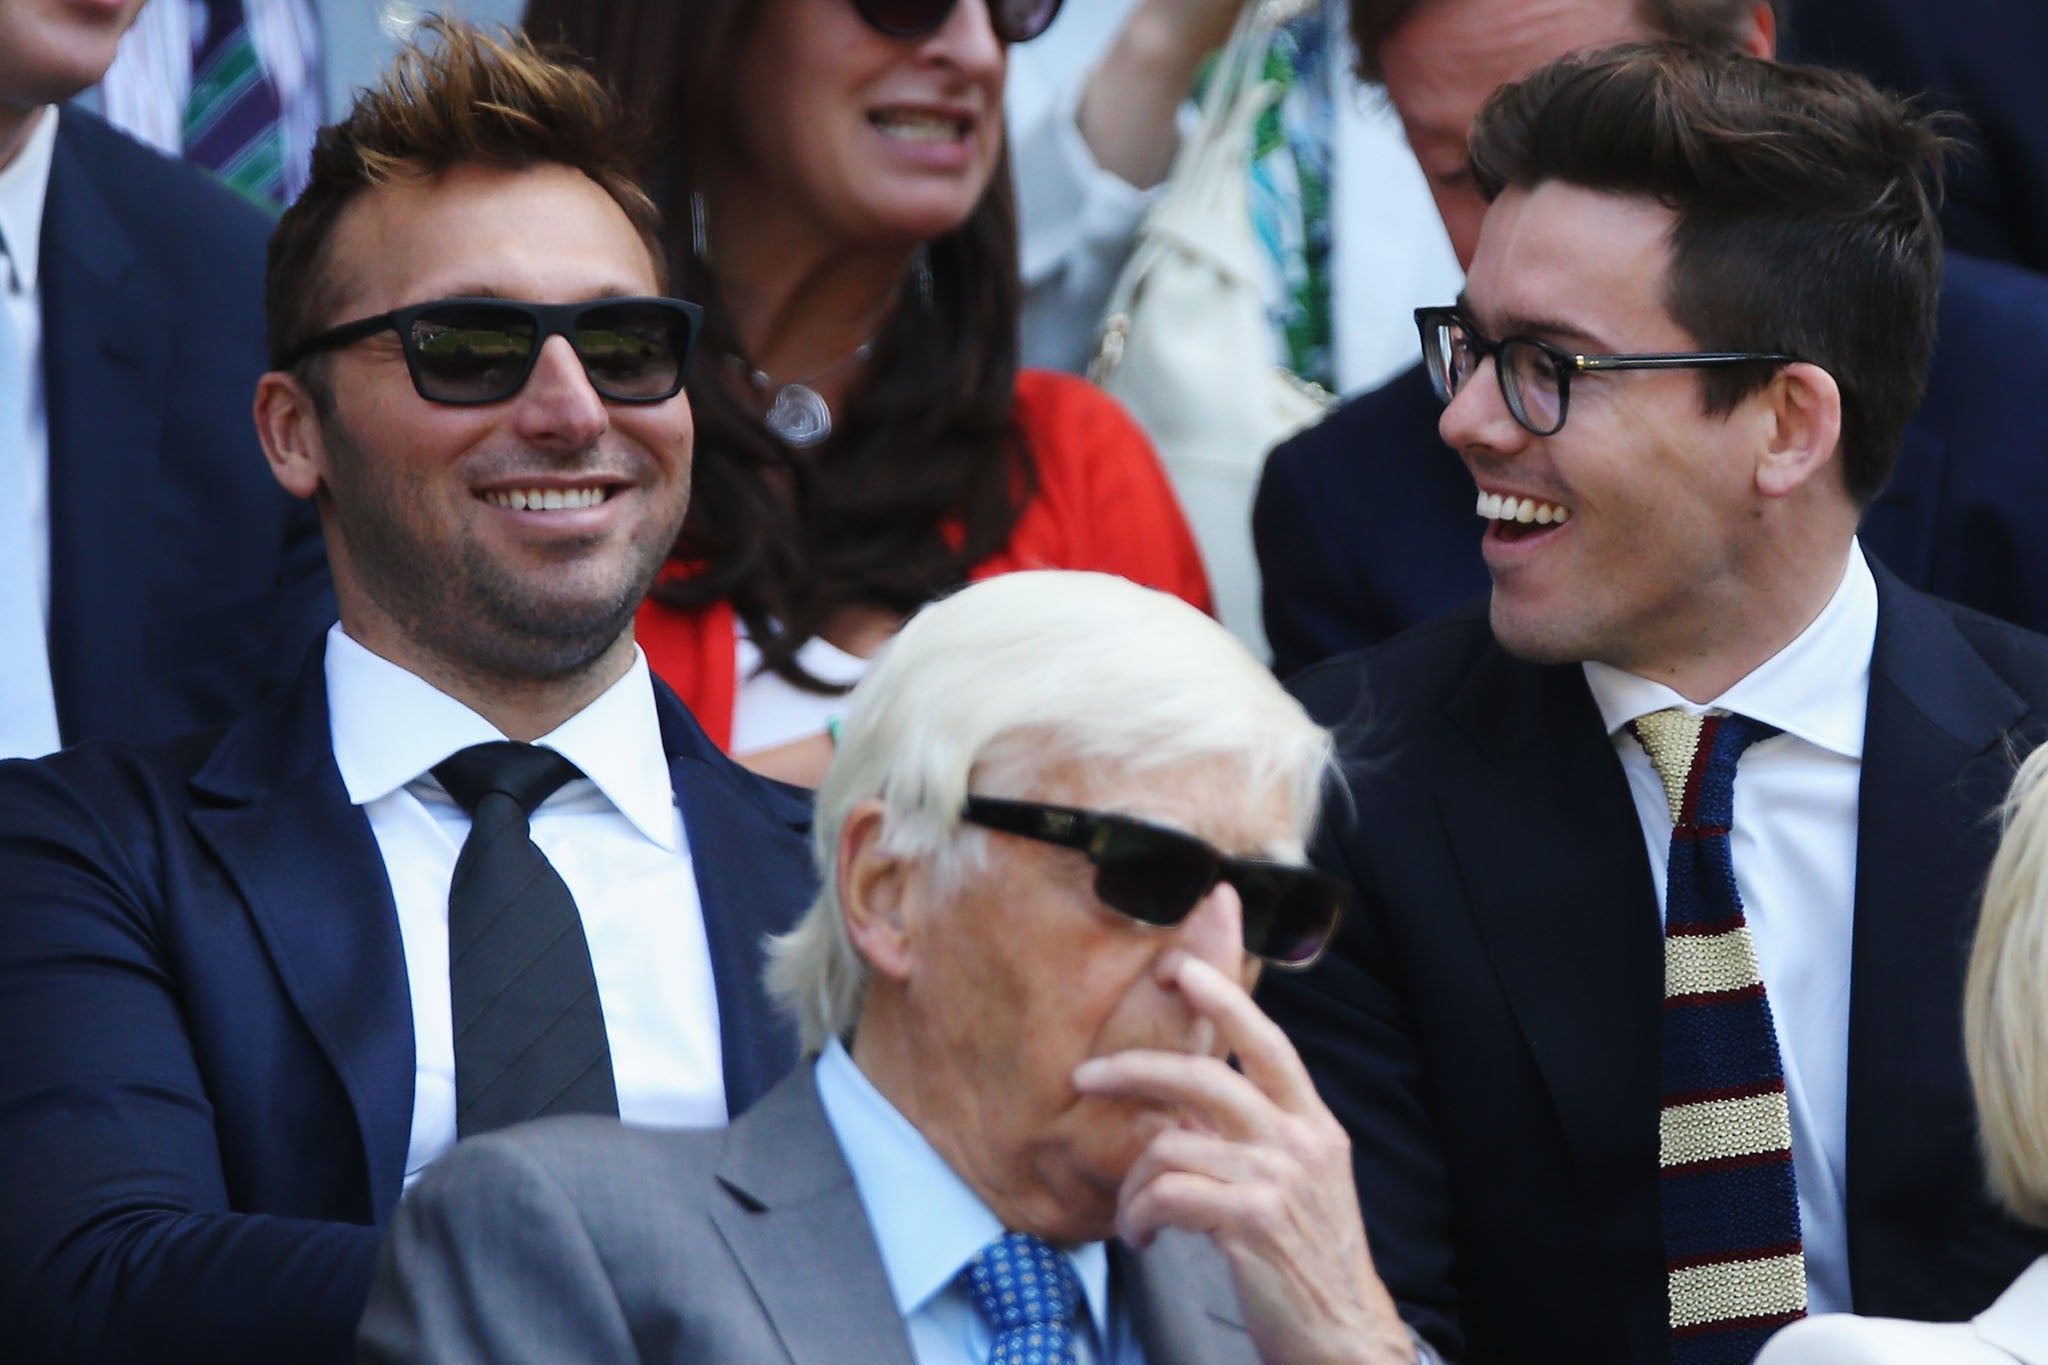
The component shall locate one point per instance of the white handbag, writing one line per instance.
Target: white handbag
(1187, 346)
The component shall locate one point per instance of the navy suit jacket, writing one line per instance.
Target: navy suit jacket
(184, 582)
(206, 1086)
(1364, 524)
(1486, 1025)
(1979, 58)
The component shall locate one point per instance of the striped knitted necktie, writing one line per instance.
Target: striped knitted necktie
(1735, 1265)
(231, 116)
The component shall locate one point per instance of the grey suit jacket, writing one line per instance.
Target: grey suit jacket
(576, 1240)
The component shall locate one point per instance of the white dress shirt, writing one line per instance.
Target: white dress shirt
(928, 1225)
(1389, 251)
(24, 186)
(616, 837)
(1794, 848)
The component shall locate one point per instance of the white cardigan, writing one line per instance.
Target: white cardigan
(2013, 1329)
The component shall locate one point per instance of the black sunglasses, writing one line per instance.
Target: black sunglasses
(1157, 876)
(1536, 376)
(1015, 21)
(468, 351)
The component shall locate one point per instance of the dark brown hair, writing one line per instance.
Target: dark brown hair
(462, 99)
(1805, 201)
(925, 473)
(1715, 24)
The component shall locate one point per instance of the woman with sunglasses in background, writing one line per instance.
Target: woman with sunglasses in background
(838, 200)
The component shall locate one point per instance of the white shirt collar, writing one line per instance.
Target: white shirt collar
(390, 727)
(927, 1223)
(24, 186)
(1816, 688)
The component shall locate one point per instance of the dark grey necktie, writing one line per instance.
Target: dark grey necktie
(529, 1031)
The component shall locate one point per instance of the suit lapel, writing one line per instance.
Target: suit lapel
(731, 823)
(797, 1229)
(1936, 759)
(272, 808)
(106, 347)
(1182, 1301)
(1546, 839)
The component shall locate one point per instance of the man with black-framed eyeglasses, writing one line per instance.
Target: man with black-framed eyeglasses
(474, 865)
(1663, 862)
(1535, 375)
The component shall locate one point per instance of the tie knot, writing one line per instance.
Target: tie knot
(1021, 1281)
(1695, 755)
(527, 773)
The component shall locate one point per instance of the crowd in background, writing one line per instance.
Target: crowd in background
(347, 619)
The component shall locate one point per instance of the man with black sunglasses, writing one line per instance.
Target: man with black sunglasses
(474, 864)
(1063, 826)
(1646, 1027)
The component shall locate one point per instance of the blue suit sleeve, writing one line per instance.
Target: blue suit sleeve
(119, 1239)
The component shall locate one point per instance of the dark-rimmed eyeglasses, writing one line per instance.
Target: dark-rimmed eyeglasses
(469, 351)
(1157, 876)
(1535, 375)
(1015, 21)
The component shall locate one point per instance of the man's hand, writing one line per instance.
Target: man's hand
(1259, 1165)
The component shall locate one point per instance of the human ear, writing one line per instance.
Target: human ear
(1759, 33)
(1803, 424)
(288, 425)
(874, 894)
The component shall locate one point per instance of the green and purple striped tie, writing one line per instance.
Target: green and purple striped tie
(231, 115)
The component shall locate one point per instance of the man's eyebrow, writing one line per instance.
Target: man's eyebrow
(1513, 324)
(478, 290)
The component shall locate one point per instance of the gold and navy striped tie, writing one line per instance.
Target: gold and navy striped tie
(1735, 1263)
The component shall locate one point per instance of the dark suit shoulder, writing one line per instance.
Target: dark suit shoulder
(184, 205)
(1418, 667)
(2017, 655)
(1363, 525)
(1356, 428)
(1993, 323)
(110, 781)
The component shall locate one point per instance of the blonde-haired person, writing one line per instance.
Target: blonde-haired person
(2005, 1033)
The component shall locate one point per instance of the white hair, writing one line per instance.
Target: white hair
(1006, 678)
(2005, 1004)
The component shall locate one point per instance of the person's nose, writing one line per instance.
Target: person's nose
(967, 42)
(558, 407)
(1214, 932)
(1477, 420)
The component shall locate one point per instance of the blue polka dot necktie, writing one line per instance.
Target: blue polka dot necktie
(1027, 1290)
(1735, 1260)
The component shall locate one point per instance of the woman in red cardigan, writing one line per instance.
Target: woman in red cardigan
(840, 203)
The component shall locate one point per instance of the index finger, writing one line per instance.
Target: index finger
(1263, 1052)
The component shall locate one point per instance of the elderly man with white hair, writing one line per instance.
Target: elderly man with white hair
(1064, 827)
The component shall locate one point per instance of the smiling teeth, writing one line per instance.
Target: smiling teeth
(911, 127)
(547, 499)
(1494, 507)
